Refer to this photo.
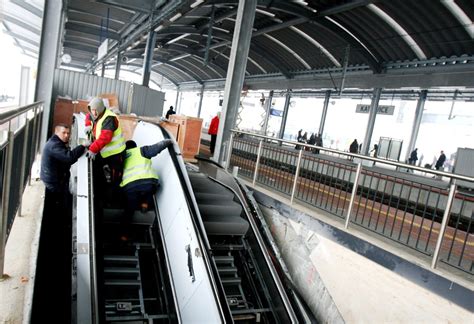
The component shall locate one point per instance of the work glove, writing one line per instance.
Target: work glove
(88, 130)
(91, 155)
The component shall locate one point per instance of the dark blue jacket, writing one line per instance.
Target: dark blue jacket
(56, 161)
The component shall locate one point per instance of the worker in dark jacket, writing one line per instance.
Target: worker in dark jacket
(140, 181)
(107, 140)
(56, 161)
(56, 224)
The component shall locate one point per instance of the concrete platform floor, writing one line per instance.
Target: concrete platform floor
(16, 288)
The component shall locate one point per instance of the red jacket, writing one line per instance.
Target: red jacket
(214, 126)
(109, 125)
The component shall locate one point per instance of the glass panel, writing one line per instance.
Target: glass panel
(303, 113)
(343, 124)
(396, 126)
(188, 103)
(440, 131)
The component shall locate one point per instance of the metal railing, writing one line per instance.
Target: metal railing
(20, 131)
(430, 216)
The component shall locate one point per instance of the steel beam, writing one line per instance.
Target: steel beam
(144, 6)
(235, 73)
(48, 60)
(324, 113)
(118, 63)
(201, 95)
(285, 114)
(267, 112)
(420, 105)
(79, 47)
(320, 20)
(20, 23)
(371, 122)
(150, 46)
(91, 30)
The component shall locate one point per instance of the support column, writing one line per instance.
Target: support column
(177, 101)
(200, 102)
(102, 73)
(24, 85)
(267, 113)
(48, 60)
(416, 123)
(150, 46)
(371, 122)
(118, 64)
(235, 73)
(285, 114)
(327, 97)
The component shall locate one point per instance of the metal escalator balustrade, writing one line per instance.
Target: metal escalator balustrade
(250, 288)
(410, 209)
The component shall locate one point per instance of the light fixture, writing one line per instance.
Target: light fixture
(175, 17)
(197, 3)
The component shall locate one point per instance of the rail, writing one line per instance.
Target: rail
(390, 198)
(20, 131)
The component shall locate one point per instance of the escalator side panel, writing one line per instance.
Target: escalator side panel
(191, 279)
(83, 255)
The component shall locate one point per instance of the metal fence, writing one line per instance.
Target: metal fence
(20, 130)
(430, 216)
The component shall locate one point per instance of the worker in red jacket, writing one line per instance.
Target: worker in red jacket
(108, 142)
(213, 128)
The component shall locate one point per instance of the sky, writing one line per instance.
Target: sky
(11, 60)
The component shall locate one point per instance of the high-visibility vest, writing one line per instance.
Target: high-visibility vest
(136, 167)
(117, 144)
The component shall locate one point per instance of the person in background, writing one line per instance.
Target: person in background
(56, 224)
(413, 157)
(319, 142)
(170, 112)
(304, 139)
(107, 140)
(299, 139)
(353, 148)
(375, 150)
(213, 128)
(139, 181)
(440, 162)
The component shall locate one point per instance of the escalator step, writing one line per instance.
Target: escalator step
(228, 270)
(116, 282)
(122, 258)
(121, 270)
(231, 281)
(223, 259)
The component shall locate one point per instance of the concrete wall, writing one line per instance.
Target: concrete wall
(366, 283)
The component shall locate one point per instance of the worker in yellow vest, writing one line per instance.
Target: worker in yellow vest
(140, 181)
(108, 141)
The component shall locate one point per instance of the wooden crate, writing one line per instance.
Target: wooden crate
(189, 134)
(128, 124)
(64, 110)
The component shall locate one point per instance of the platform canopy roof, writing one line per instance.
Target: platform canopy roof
(293, 41)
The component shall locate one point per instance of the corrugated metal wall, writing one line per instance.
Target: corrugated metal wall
(147, 102)
(77, 85)
(133, 98)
